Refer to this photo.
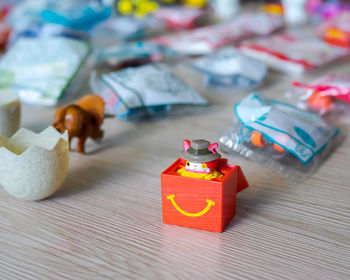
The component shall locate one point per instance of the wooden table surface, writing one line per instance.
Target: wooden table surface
(106, 222)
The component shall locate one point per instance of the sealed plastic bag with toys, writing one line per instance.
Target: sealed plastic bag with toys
(293, 52)
(150, 90)
(206, 39)
(280, 136)
(330, 93)
(230, 68)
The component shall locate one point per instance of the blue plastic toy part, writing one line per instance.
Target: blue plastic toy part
(81, 17)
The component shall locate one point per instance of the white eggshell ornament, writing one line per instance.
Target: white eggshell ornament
(10, 113)
(34, 166)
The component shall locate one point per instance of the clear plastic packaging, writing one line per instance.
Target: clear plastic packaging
(146, 91)
(42, 70)
(330, 93)
(77, 14)
(280, 136)
(230, 68)
(206, 39)
(45, 31)
(120, 56)
(125, 29)
(293, 52)
(181, 17)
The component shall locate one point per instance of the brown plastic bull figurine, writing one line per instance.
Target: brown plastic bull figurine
(82, 120)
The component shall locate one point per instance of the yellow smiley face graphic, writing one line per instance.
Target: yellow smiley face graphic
(210, 203)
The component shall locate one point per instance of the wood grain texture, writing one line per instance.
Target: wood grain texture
(105, 222)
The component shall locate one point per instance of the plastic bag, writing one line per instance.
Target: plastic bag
(47, 30)
(149, 90)
(180, 17)
(42, 70)
(132, 54)
(206, 39)
(293, 52)
(229, 67)
(325, 94)
(77, 14)
(280, 136)
(126, 28)
(26, 20)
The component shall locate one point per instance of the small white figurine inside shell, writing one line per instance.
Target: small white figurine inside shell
(10, 113)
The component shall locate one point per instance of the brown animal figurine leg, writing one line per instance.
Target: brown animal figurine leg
(81, 144)
(69, 140)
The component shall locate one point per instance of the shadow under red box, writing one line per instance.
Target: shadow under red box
(198, 203)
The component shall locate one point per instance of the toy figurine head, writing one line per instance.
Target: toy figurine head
(200, 156)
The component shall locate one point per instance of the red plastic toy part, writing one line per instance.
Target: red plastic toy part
(337, 37)
(198, 203)
(318, 101)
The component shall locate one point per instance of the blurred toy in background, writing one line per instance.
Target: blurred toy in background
(201, 160)
(137, 8)
(206, 39)
(181, 17)
(132, 54)
(279, 135)
(44, 70)
(4, 10)
(295, 11)
(199, 189)
(273, 7)
(5, 32)
(82, 120)
(149, 90)
(230, 68)
(325, 94)
(337, 30)
(141, 8)
(225, 9)
(5, 29)
(327, 9)
(293, 52)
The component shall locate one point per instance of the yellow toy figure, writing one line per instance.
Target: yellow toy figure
(195, 3)
(140, 8)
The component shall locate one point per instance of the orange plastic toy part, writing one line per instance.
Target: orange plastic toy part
(319, 102)
(257, 139)
(278, 148)
(201, 204)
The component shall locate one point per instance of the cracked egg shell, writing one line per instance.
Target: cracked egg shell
(34, 166)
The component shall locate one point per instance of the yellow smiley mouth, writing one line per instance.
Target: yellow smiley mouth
(198, 214)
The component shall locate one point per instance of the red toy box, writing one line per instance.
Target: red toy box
(199, 203)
